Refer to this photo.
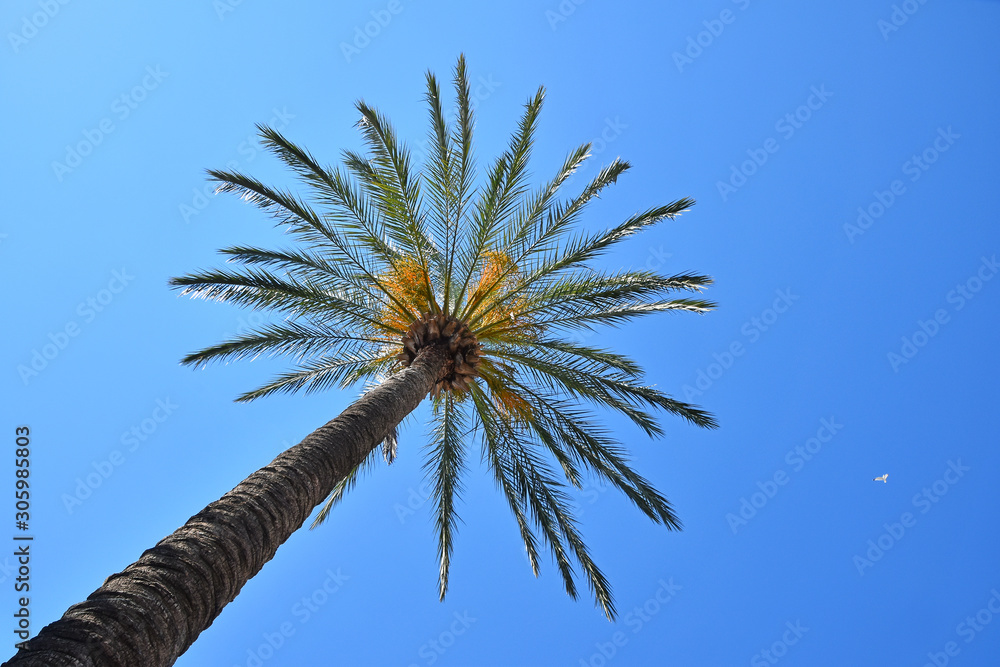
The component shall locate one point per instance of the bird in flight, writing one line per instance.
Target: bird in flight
(882, 478)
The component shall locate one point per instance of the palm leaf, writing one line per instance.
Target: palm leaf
(445, 461)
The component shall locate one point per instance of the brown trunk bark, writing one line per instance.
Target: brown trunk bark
(151, 612)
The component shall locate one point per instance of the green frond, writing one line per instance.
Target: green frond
(293, 260)
(518, 153)
(391, 183)
(290, 338)
(462, 152)
(540, 237)
(296, 158)
(342, 487)
(439, 176)
(507, 185)
(284, 207)
(550, 506)
(604, 289)
(306, 223)
(654, 398)
(592, 446)
(575, 295)
(552, 443)
(605, 359)
(590, 378)
(323, 373)
(576, 381)
(518, 506)
(505, 453)
(350, 209)
(309, 267)
(445, 464)
(482, 230)
(262, 289)
(587, 247)
(587, 317)
(530, 216)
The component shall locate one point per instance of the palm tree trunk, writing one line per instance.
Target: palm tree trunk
(151, 612)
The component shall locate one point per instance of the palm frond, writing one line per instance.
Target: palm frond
(580, 384)
(307, 224)
(445, 463)
(290, 338)
(508, 182)
(540, 237)
(588, 246)
(550, 506)
(350, 209)
(587, 317)
(390, 182)
(323, 373)
(439, 176)
(263, 289)
(342, 487)
(582, 438)
(285, 207)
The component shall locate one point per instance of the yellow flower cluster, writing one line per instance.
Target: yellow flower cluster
(408, 283)
(499, 267)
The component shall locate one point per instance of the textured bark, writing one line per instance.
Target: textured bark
(151, 612)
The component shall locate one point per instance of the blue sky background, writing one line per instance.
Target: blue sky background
(688, 93)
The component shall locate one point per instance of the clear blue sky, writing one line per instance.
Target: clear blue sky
(844, 162)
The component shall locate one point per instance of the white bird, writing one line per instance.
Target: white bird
(882, 478)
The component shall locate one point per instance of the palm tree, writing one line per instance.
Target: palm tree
(409, 282)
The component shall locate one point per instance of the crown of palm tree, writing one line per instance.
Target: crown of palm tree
(395, 258)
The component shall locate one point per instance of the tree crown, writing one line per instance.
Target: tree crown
(393, 257)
